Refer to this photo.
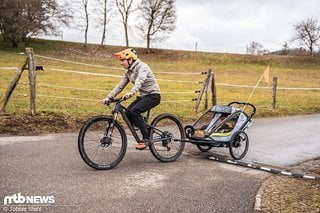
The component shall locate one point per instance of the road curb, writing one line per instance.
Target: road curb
(266, 169)
(258, 201)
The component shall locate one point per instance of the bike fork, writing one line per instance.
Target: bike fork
(110, 129)
(106, 140)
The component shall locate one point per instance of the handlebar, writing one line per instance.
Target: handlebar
(243, 103)
(115, 100)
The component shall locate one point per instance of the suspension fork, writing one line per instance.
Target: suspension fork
(111, 125)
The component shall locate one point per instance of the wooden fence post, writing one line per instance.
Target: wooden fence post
(208, 85)
(213, 89)
(274, 93)
(203, 89)
(32, 80)
(12, 86)
(207, 88)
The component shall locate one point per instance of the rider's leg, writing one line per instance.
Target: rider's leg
(146, 103)
(128, 113)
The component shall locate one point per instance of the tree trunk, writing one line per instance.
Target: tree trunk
(148, 33)
(4, 37)
(104, 23)
(311, 51)
(103, 35)
(15, 43)
(126, 34)
(148, 41)
(87, 25)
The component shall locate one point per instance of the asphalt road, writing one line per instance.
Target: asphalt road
(282, 142)
(50, 166)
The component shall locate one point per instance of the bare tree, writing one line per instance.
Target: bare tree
(159, 17)
(86, 25)
(105, 9)
(10, 21)
(285, 48)
(20, 19)
(125, 9)
(81, 11)
(254, 48)
(308, 33)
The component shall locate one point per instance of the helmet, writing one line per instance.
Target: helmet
(126, 54)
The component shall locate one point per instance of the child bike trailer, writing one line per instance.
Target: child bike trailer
(223, 126)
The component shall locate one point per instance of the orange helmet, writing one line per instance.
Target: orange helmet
(126, 54)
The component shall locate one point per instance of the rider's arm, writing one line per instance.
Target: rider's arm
(141, 78)
(117, 89)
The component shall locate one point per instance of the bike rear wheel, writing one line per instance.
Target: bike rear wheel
(166, 135)
(97, 149)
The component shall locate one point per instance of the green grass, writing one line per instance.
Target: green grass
(291, 71)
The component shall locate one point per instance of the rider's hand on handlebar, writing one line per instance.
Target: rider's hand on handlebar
(127, 95)
(106, 101)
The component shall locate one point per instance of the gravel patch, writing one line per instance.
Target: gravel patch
(287, 194)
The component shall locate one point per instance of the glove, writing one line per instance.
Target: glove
(127, 95)
(106, 101)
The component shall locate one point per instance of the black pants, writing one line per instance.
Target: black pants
(141, 105)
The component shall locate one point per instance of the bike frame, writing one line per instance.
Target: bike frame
(101, 128)
(119, 108)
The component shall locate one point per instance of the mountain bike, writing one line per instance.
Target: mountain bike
(102, 140)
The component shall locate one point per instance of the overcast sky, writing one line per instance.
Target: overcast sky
(223, 25)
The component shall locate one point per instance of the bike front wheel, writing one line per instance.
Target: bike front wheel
(102, 142)
(167, 137)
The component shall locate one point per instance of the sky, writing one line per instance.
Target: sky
(220, 25)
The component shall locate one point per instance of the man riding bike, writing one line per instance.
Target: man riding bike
(140, 74)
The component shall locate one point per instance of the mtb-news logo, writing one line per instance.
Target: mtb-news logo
(21, 201)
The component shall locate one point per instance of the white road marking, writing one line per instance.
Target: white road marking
(20, 139)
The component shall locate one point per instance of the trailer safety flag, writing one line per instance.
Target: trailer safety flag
(266, 75)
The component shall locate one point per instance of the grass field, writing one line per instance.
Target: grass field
(64, 98)
(79, 95)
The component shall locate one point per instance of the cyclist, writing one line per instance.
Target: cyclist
(140, 74)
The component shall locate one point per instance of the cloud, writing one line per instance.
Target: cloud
(220, 26)
(234, 24)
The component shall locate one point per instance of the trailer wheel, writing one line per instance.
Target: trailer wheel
(204, 148)
(239, 145)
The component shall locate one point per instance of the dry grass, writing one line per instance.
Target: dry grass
(285, 194)
(228, 68)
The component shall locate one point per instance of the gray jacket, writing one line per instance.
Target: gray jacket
(141, 76)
